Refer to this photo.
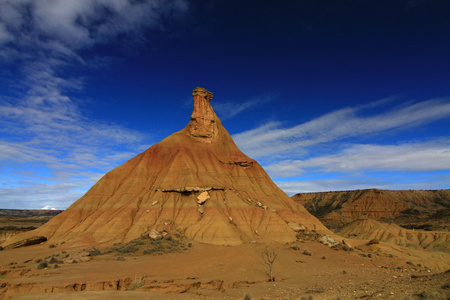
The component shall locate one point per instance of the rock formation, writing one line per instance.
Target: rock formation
(163, 189)
(410, 207)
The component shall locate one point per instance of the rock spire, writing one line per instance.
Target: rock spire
(203, 124)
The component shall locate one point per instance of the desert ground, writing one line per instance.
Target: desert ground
(182, 269)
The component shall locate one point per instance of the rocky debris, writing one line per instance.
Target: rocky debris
(155, 202)
(245, 164)
(296, 227)
(155, 234)
(373, 242)
(201, 199)
(77, 257)
(192, 189)
(201, 209)
(328, 240)
(27, 242)
(346, 243)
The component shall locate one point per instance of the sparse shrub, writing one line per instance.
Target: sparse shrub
(121, 258)
(51, 246)
(94, 251)
(268, 260)
(190, 245)
(38, 260)
(139, 242)
(56, 266)
(306, 252)
(373, 242)
(42, 265)
(74, 261)
(248, 297)
(324, 257)
(136, 284)
(53, 261)
(295, 247)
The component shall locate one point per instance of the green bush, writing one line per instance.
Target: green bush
(136, 284)
(42, 265)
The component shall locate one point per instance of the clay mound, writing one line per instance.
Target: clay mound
(195, 182)
(368, 229)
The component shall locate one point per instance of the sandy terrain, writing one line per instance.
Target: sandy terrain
(221, 272)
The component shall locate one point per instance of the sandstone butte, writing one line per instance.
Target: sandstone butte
(196, 182)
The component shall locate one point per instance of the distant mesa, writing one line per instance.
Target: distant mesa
(196, 182)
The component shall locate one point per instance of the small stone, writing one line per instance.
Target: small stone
(202, 197)
(155, 202)
(154, 234)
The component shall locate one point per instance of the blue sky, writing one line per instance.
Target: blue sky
(326, 95)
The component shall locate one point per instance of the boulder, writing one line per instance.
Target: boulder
(328, 240)
(202, 197)
(154, 235)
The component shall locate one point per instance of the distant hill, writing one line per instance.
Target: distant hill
(27, 213)
(413, 209)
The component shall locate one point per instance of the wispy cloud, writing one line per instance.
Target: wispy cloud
(228, 110)
(415, 157)
(331, 152)
(47, 140)
(272, 138)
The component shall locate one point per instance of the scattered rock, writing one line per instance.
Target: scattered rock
(296, 227)
(373, 242)
(154, 235)
(328, 240)
(346, 243)
(76, 257)
(155, 202)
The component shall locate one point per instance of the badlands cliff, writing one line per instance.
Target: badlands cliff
(196, 182)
